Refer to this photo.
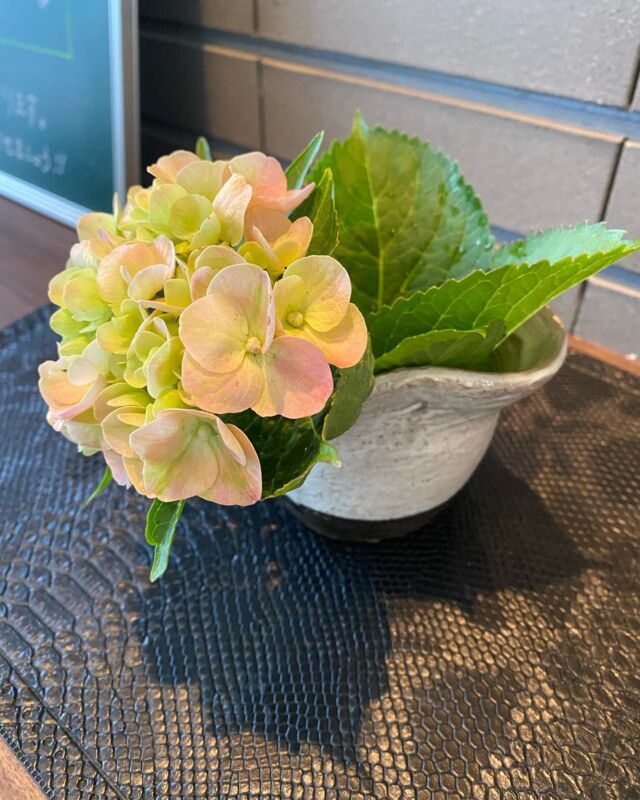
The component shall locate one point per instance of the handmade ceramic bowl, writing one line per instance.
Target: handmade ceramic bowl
(421, 434)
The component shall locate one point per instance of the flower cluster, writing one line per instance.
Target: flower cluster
(194, 301)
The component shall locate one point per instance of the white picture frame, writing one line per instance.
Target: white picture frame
(125, 123)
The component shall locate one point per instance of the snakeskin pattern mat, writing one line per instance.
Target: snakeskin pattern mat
(495, 654)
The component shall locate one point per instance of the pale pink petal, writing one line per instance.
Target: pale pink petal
(223, 430)
(297, 379)
(208, 263)
(133, 466)
(148, 282)
(235, 441)
(250, 287)
(55, 386)
(92, 362)
(167, 168)
(163, 438)
(239, 480)
(294, 244)
(343, 345)
(166, 250)
(178, 458)
(222, 393)
(121, 265)
(289, 246)
(214, 331)
(287, 202)
(64, 398)
(186, 452)
(119, 395)
(269, 182)
(217, 256)
(327, 290)
(272, 224)
(230, 205)
(118, 426)
(132, 256)
(258, 237)
(185, 477)
(200, 281)
(231, 443)
(264, 173)
(115, 462)
(83, 430)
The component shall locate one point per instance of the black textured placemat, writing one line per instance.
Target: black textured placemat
(496, 654)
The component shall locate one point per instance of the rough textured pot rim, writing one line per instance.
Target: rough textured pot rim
(389, 381)
(439, 422)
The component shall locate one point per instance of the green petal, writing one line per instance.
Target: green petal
(161, 202)
(187, 215)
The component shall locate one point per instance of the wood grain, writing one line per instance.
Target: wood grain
(604, 354)
(32, 249)
(15, 781)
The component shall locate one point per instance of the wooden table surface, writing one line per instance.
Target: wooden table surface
(32, 249)
(15, 782)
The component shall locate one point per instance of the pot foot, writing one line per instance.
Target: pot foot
(358, 530)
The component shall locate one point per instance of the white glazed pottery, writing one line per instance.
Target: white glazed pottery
(420, 436)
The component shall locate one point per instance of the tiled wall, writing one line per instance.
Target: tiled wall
(538, 101)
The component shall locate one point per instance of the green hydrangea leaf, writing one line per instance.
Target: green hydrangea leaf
(352, 387)
(470, 317)
(162, 519)
(534, 343)
(408, 220)
(558, 243)
(203, 150)
(105, 481)
(287, 449)
(443, 348)
(298, 169)
(321, 209)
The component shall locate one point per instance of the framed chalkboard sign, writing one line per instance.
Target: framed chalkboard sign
(68, 103)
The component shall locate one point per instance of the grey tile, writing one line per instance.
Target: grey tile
(586, 51)
(529, 176)
(234, 16)
(202, 88)
(623, 210)
(566, 305)
(610, 315)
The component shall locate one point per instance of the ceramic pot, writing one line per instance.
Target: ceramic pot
(420, 436)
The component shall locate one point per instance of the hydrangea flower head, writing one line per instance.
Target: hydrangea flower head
(195, 300)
